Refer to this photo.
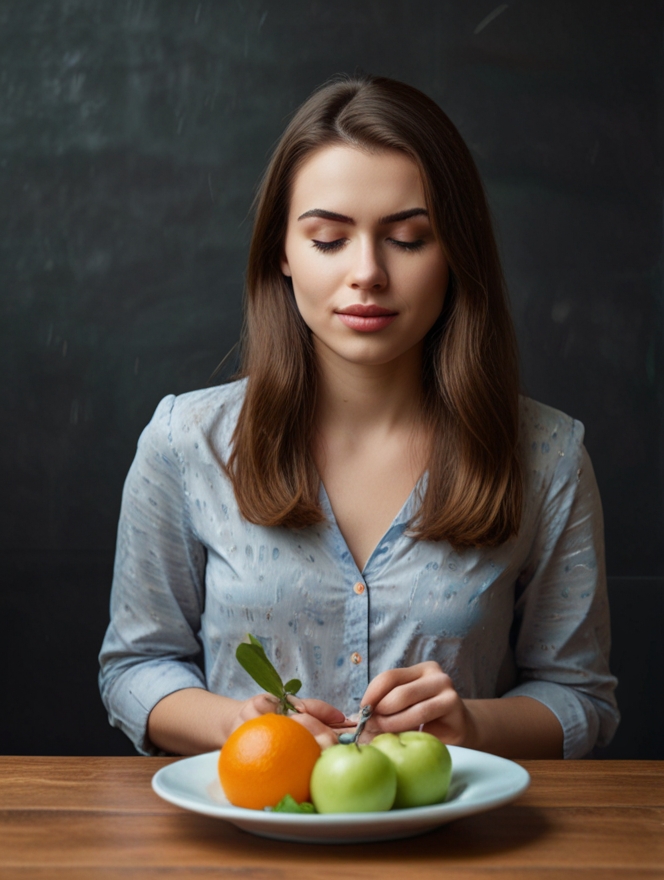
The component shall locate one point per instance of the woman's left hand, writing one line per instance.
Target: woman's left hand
(417, 697)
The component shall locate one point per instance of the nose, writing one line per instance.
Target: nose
(367, 271)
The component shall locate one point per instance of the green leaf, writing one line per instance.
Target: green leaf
(288, 804)
(253, 660)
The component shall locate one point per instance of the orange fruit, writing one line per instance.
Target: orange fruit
(265, 759)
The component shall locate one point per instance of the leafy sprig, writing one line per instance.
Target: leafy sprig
(288, 804)
(252, 658)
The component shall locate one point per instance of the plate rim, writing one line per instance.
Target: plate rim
(426, 816)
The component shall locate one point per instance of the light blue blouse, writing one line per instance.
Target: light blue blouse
(192, 577)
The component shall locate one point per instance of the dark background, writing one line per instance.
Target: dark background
(132, 134)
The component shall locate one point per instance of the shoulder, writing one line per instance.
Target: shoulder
(547, 433)
(208, 405)
(552, 451)
(209, 414)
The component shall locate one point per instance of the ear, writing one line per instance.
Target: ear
(285, 268)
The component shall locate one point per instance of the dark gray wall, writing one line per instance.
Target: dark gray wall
(131, 137)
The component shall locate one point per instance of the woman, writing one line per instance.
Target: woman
(371, 498)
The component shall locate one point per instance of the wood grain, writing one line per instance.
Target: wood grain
(82, 817)
(439, 872)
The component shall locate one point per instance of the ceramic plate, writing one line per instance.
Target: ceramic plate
(479, 782)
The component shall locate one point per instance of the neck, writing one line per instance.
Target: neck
(369, 398)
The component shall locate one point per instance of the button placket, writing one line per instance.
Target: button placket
(357, 644)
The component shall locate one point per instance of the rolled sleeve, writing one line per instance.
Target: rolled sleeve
(562, 634)
(152, 646)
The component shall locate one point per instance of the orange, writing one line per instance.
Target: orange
(265, 759)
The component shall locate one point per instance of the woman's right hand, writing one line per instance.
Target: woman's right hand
(192, 720)
(244, 710)
(320, 718)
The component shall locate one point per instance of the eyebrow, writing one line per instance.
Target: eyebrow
(342, 218)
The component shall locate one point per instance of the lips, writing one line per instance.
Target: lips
(366, 311)
(366, 318)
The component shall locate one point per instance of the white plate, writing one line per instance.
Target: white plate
(479, 782)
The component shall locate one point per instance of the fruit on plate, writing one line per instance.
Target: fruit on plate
(265, 759)
(353, 779)
(423, 766)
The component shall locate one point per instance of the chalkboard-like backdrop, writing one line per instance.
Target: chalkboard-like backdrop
(132, 133)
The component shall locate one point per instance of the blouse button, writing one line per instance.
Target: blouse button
(359, 588)
(355, 658)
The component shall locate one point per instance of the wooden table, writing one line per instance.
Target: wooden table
(98, 819)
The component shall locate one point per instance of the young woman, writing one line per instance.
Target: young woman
(371, 498)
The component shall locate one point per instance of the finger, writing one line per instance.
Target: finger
(345, 728)
(417, 691)
(261, 704)
(325, 712)
(444, 709)
(264, 703)
(386, 681)
(325, 737)
(344, 725)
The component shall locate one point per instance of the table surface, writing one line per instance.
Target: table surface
(98, 817)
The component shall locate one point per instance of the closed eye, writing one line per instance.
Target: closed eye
(327, 246)
(337, 244)
(407, 245)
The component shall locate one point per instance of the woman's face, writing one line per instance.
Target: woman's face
(368, 274)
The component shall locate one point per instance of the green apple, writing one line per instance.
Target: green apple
(353, 779)
(423, 763)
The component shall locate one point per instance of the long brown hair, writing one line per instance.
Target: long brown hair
(470, 379)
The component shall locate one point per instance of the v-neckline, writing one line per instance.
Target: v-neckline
(403, 515)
